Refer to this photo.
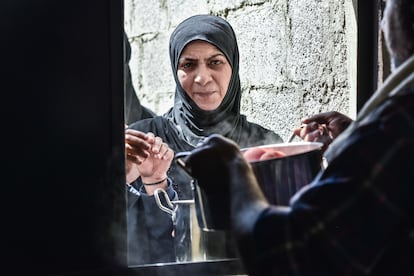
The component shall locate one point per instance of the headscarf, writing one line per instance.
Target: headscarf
(194, 123)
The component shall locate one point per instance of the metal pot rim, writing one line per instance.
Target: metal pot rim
(292, 149)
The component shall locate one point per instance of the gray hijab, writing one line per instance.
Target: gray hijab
(192, 122)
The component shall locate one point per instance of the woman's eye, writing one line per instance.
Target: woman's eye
(216, 62)
(187, 65)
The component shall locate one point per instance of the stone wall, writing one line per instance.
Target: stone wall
(296, 56)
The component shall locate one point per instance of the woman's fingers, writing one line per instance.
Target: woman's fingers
(162, 151)
(157, 145)
(134, 158)
(136, 143)
(168, 153)
(142, 145)
(136, 133)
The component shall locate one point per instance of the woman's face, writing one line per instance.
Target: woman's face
(204, 73)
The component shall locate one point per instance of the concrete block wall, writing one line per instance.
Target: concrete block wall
(296, 56)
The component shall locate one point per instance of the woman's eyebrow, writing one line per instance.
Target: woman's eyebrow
(216, 55)
(186, 58)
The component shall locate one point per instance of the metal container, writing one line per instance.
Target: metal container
(279, 178)
(173, 207)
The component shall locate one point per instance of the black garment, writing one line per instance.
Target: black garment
(185, 125)
(150, 226)
(134, 111)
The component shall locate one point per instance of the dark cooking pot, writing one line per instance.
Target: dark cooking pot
(279, 179)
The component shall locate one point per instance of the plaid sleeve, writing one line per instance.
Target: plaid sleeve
(344, 222)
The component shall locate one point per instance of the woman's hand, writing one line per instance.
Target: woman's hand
(147, 156)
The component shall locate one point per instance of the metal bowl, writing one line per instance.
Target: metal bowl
(281, 177)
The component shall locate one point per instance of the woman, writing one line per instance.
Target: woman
(205, 62)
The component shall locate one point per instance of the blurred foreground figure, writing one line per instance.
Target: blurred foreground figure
(356, 217)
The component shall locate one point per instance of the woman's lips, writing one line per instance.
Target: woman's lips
(204, 95)
(204, 92)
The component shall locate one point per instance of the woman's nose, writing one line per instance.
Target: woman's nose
(203, 75)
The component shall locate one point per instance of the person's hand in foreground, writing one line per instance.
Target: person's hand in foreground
(218, 164)
(323, 127)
